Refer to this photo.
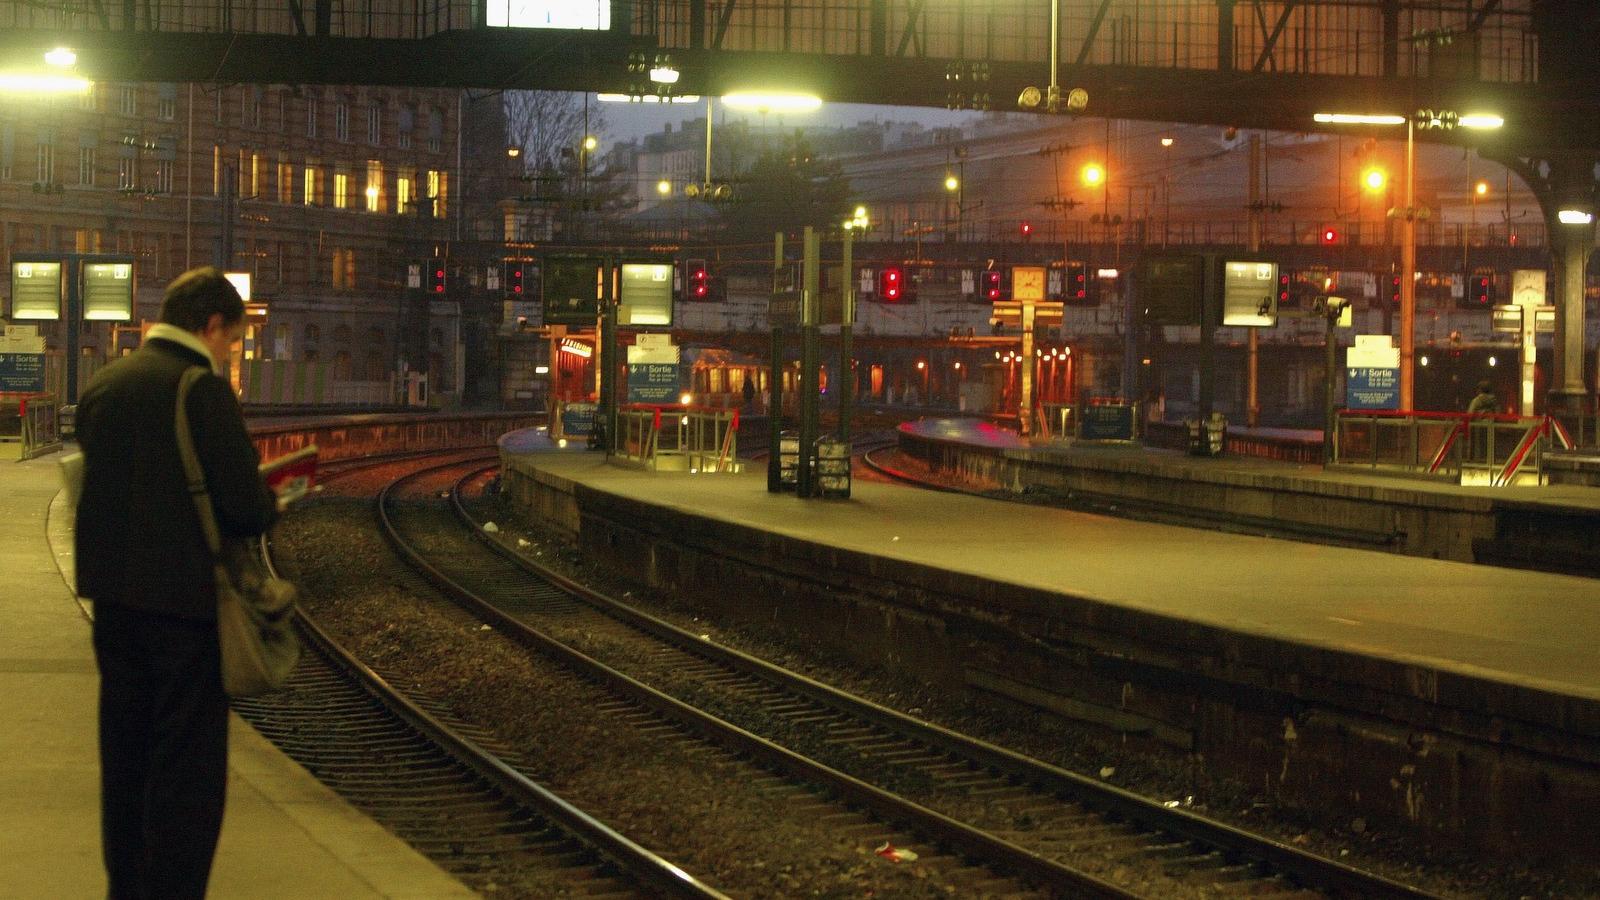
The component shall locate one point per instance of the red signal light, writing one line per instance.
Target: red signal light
(1283, 289)
(890, 284)
(1027, 230)
(991, 285)
(1330, 236)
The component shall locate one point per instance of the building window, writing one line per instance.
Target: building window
(86, 166)
(167, 104)
(439, 191)
(86, 100)
(374, 124)
(374, 186)
(254, 109)
(435, 131)
(127, 174)
(311, 116)
(403, 195)
(163, 176)
(285, 182)
(128, 100)
(216, 170)
(341, 190)
(344, 269)
(341, 121)
(311, 183)
(217, 116)
(47, 162)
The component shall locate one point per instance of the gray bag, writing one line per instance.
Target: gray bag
(255, 611)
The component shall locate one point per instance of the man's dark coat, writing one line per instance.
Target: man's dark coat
(139, 542)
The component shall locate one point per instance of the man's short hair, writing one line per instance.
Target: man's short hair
(198, 294)
(1485, 387)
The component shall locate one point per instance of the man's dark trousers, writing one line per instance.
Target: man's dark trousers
(163, 751)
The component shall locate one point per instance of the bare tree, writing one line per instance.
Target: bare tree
(548, 125)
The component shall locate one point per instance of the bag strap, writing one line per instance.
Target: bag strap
(191, 463)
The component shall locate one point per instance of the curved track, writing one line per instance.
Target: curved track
(1067, 831)
(443, 787)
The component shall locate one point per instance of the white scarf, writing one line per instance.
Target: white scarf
(188, 339)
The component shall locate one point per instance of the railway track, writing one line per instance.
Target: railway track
(1067, 832)
(444, 787)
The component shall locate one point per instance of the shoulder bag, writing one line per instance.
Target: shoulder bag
(255, 610)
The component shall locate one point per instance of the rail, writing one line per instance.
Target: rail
(678, 436)
(1470, 448)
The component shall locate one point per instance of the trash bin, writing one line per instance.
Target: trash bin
(833, 467)
(1207, 437)
(788, 459)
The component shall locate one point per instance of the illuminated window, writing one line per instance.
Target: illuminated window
(402, 195)
(341, 190)
(374, 186)
(255, 175)
(590, 15)
(216, 169)
(310, 194)
(438, 191)
(285, 181)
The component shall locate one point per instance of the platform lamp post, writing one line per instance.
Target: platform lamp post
(1333, 309)
(1428, 119)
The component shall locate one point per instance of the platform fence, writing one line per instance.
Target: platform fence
(1468, 448)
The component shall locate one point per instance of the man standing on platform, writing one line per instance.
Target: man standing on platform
(142, 559)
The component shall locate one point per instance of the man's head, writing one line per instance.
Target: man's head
(204, 301)
(1485, 387)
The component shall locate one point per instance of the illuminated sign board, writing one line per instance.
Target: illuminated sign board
(583, 15)
(35, 290)
(1250, 293)
(240, 282)
(646, 294)
(1173, 287)
(108, 291)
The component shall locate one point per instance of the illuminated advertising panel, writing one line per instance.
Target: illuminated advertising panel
(35, 290)
(583, 15)
(645, 297)
(1250, 293)
(108, 291)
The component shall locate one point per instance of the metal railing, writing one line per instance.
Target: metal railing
(1470, 448)
(675, 436)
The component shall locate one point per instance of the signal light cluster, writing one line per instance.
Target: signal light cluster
(891, 284)
(991, 284)
(436, 278)
(696, 280)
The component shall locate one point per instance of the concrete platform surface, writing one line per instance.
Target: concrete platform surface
(285, 834)
(1521, 628)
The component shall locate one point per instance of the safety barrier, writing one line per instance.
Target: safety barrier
(29, 426)
(675, 436)
(1471, 448)
(296, 382)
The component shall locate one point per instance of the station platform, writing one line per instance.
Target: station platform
(1460, 697)
(284, 835)
(1545, 527)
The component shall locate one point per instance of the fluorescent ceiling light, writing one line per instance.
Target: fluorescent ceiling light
(646, 98)
(43, 84)
(1480, 120)
(1356, 119)
(1574, 217)
(664, 75)
(773, 102)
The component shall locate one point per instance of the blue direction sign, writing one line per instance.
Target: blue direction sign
(652, 382)
(1370, 388)
(577, 419)
(1107, 422)
(22, 373)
